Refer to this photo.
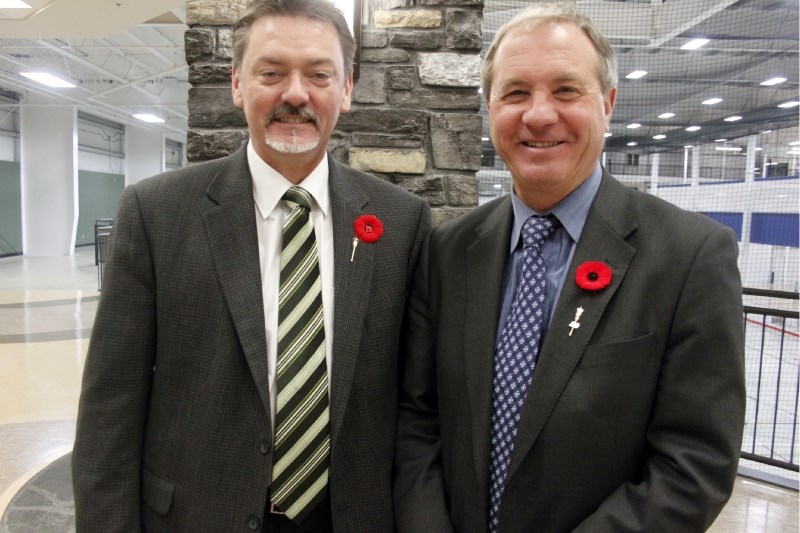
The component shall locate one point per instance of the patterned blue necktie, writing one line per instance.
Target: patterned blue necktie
(515, 357)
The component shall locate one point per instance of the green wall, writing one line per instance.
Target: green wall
(98, 194)
(10, 209)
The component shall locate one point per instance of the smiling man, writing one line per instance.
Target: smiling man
(242, 370)
(575, 350)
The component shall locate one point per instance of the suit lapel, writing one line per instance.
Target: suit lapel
(609, 222)
(352, 283)
(485, 265)
(233, 240)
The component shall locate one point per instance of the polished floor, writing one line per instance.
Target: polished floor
(47, 306)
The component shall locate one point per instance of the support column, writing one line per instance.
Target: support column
(49, 175)
(655, 160)
(750, 159)
(144, 154)
(695, 166)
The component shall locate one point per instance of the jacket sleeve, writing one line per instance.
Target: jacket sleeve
(419, 494)
(695, 431)
(106, 460)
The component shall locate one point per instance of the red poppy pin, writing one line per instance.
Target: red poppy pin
(593, 275)
(369, 229)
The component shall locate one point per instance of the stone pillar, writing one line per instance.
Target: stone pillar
(49, 177)
(144, 154)
(415, 116)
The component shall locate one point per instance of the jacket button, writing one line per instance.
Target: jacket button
(263, 447)
(253, 523)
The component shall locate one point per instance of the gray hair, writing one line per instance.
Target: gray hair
(322, 10)
(545, 12)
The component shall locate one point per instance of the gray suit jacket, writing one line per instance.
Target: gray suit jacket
(633, 423)
(174, 420)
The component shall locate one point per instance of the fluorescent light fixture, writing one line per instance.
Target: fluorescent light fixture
(666, 115)
(794, 143)
(634, 125)
(758, 149)
(694, 44)
(147, 117)
(484, 138)
(13, 4)
(636, 74)
(791, 103)
(607, 134)
(773, 81)
(712, 101)
(728, 149)
(632, 143)
(497, 186)
(766, 131)
(688, 146)
(693, 128)
(659, 136)
(47, 79)
(733, 118)
(720, 140)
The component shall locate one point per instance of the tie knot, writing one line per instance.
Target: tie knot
(537, 228)
(298, 196)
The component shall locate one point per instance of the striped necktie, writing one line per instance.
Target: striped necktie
(302, 436)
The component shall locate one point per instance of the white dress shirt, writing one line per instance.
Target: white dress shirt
(268, 188)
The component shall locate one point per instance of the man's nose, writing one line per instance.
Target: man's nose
(541, 111)
(295, 92)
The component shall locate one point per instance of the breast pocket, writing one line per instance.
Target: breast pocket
(620, 353)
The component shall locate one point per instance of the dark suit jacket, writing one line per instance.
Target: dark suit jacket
(633, 423)
(174, 420)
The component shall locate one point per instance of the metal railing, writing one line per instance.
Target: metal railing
(102, 231)
(771, 366)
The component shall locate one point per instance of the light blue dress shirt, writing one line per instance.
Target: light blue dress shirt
(557, 250)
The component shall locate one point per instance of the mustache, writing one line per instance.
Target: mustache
(288, 109)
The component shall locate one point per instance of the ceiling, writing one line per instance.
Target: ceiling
(751, 41)
(124, 56)
(133, 61)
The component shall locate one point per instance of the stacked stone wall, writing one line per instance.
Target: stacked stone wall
(415, 116)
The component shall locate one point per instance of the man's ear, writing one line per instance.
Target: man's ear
(236, 93)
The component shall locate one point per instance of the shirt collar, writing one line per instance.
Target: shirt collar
(571, 211)
(269, 185)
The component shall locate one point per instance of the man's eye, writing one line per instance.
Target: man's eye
(515, 95)
(566, 90)
(269, 74)
(322, 76)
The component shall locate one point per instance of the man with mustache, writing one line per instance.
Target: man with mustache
(242, 371)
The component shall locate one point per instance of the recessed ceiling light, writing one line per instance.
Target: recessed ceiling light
(659, 136)
(693, 128)
(728, 149)
(634, 125)
(694, 44)
(147, 117)
(636, 74)
(712, 101)
(773, 81)
(13, 4)
(632, 143)
(607, 134)
(758, 149)
(733, 118)
(720, 140)
(792, 103)
(666, 115)
(47, 79)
